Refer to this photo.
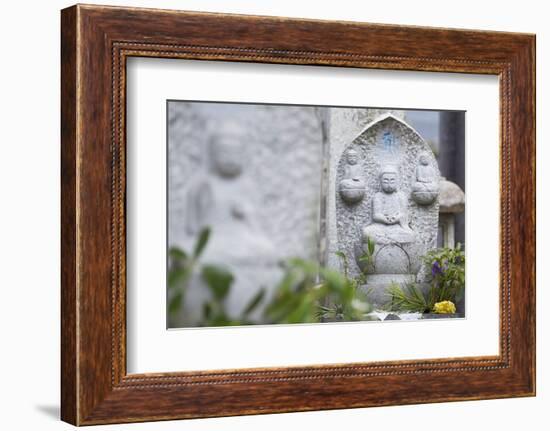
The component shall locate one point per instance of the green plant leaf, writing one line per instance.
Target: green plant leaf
(370, 246)
(282, 305)
(206, 311)
(254, 302)
(333, 279)
(178, 254)
(308, 267)
(178, 276)
(345, 262)
(365, 258)
(218, 279)
(408, 298)
(204, 235)
(340, 254)
(175, 303)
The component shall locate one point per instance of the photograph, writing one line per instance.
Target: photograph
(229, 215)
(282, 214)
(265, 210)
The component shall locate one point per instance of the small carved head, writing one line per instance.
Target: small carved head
(352, 156)
(227, 153)
(388, 178)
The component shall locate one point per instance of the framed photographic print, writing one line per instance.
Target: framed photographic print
(264, 214)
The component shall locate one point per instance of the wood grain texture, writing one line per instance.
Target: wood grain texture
(96, 41)
(68, 218)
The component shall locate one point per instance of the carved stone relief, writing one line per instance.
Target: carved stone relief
(399, 207)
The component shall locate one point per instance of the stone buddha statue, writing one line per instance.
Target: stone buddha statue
(426, 187)
(390, 215)
(352, 186)
(353, 169)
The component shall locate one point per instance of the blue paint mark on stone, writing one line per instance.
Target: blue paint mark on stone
(390, 145)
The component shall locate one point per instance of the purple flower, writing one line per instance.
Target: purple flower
(436, 268)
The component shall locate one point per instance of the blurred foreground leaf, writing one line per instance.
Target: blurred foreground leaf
(218, 279)
(254, 302)
(178, 276)
(177, 254)
(175, 302)
(204, 235)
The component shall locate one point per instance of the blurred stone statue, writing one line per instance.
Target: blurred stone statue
(252, 174)
(222, 201)
(222, 198)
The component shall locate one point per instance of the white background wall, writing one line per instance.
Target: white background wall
(29, 216)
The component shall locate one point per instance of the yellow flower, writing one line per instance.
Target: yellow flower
(444, 307)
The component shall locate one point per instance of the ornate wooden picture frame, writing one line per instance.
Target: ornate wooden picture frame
(96, 41)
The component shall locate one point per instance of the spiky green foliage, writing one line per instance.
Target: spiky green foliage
(407, 298)
(447, 266)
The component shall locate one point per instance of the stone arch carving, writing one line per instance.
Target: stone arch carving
(388, 144)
